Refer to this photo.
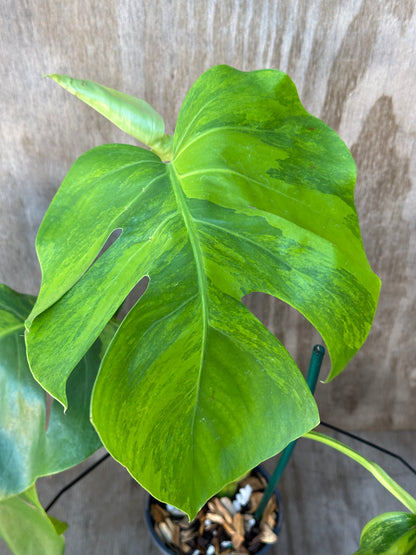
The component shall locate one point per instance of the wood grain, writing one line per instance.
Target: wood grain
(354, 64)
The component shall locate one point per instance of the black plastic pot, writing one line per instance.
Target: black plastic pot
(164, 550)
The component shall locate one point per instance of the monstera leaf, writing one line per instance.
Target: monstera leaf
(28, 447)
(256, 195)
(389, 534)
(27, 529)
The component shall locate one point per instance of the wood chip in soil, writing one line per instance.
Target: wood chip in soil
(219, 528)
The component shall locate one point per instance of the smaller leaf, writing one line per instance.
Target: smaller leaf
(389, 534)
(28, 447)
(27, 529)
(133, 115)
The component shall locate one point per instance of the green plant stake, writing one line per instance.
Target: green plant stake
(312, 377)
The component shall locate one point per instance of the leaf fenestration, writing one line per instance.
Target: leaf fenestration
(258, 197)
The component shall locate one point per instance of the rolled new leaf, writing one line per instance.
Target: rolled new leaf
(133, 115)
(194, 390)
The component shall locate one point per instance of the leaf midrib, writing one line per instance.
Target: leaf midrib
(201, 276)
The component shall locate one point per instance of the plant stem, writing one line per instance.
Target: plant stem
(313, 373)
(163, 148)
(385, 480)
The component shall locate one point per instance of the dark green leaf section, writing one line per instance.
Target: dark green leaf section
(389, 534)
(27, 449)
(193, 391)
(27, 529)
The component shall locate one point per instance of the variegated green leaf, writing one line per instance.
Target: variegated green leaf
(193, 390)
(27, 529)
(389, 534)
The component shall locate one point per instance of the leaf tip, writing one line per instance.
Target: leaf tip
(66, 82)
(55, 76)
(60, 392)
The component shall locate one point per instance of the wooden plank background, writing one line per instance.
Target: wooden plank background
(354, 65)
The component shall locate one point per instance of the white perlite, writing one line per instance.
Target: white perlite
(242, 497)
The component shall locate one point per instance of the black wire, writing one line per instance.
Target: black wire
(366, 442)
(75, 480)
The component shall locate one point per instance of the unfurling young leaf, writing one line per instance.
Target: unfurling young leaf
(133, 115)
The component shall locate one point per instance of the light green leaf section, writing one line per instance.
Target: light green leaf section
(193, 390)
(27, 529)
(59, 526)
(27, 449)
(389, 534)
(133, 115)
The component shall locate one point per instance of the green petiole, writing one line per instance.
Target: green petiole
(385, 480)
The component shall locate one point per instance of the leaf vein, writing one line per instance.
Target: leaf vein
(237, 128)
